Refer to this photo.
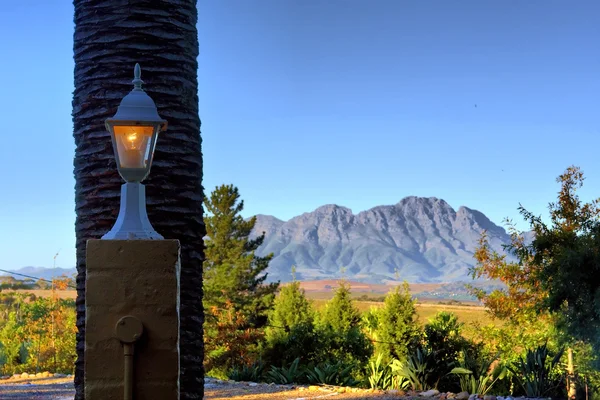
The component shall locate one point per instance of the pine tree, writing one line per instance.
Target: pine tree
(291, 308)
(233, 273)
(340, 331)
(340, 313)
(398, 328)
(291, 331)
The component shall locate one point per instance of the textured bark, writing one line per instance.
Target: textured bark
(110, 37)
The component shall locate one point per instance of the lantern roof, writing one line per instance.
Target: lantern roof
(137, 106)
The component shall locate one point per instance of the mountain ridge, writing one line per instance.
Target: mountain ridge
(420, 239)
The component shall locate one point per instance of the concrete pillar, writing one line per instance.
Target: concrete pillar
(138, 278)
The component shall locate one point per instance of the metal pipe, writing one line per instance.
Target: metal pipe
(128, 375)
(129, 329)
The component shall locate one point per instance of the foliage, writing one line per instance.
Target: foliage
(291, 332)
(36, 334)
(236, 297)
(443, 338)
(294, 373)
(291, 308)
(232, 271)
(338, 374)
(232, 342)
(377, 373)
(340, 314)
(567, 256)
(303, 341)
(247, 373)
(370, 323)
(419, 369)
(476, 374)
(339, 329)
(381, 376)
(535, 375)
(397, 329)
(556, 275)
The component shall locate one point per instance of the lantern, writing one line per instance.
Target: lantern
(134, 131)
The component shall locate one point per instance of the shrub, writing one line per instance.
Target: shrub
(476, 375)
(248, 373)
(536, 376)
(291, 308)
(337, 374)
(294, 373)
(340, 314)
(229, 342)
(381, 376)
(302, 342)
(419, 369)
(398, 330)
(443, 338)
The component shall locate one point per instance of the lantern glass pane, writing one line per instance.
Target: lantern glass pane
(133, 145)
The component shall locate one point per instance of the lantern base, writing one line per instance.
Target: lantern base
(132, 222)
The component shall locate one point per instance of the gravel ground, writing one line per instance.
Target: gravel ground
(37, 389)
(62, 389)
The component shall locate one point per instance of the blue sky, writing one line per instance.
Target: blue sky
(305, 103)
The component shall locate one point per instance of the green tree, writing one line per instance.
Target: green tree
(443, 335)
(232, 271)
(340, 314)
(552, 287)
(566, 256)
(291, 332)
(291, 308)
(340, 331)
(398, 328)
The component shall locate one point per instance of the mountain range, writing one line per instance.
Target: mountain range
(419, 239)
(40, 272)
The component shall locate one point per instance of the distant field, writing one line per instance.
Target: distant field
(468, 312)
(359, 288)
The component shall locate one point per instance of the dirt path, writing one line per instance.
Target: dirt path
(37, 389)
(62, 389)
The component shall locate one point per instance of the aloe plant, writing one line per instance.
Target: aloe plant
(388, 376)
(474, 378)
(534, 373)
(418, 369)
(331, 374)
(247, 373)
(284, 375)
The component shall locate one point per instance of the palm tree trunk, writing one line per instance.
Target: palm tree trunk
(110, 37)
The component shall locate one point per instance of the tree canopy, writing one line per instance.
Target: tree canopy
(556, 275)
(233, 273)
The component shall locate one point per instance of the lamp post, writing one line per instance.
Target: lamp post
(134, 130)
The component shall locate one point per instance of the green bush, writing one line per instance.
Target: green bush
(248, 373)
(338, 374)
(382, 376)
(398, 330)
(293, 373)
(537, 376)
(443, 337)
(419, 370)
(476, 374)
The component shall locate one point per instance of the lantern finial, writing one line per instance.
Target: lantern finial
(137, 77)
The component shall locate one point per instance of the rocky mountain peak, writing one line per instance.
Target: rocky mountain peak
(420, 239)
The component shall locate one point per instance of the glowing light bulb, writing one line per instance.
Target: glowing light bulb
(133, 138)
